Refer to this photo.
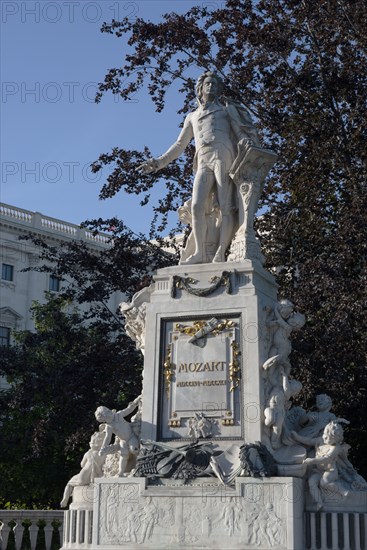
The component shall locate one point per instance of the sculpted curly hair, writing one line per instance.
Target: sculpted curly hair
(334, 431)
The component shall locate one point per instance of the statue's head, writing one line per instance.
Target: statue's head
(295, 387)
(296, 320)
(333, 433)
(103, 414)
(96, 440)
(211, 79)
(285, 308)
(323, 402)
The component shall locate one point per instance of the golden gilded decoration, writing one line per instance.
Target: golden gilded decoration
(234, 366)
(228, 422)
(172, 423)
(168, 368)
(223, 325)
(191, 330)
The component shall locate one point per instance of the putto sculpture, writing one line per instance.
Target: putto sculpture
(330, 472)
(224, 132)
(316, 421)
(126, 437)
(92, 467)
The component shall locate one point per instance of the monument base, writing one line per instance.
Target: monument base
(130, 513)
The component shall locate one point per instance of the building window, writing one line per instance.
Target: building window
(4, 336)
(54, 283)
(7, 272)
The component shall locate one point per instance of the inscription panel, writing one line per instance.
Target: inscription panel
(201, 371)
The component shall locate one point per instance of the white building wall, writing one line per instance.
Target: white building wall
(17, 296)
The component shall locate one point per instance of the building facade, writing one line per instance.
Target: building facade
(19, 288)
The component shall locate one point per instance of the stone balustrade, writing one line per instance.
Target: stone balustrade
(30, 528)
(35, 220)
(335, 530)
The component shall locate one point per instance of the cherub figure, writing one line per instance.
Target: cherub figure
(126, 442)
(92, 467)
(317, 420)
(286, 321)
(331, 472)
(279, 403)
(135, 314)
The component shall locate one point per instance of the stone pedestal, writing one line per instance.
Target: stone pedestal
(216, 374)
(129, 513)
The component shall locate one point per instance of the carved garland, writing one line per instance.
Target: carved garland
(184, 283)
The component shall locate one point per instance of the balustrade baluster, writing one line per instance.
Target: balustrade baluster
(33, 533)
(48, 534)
(18, 531)
(61, 534)
(4, 535)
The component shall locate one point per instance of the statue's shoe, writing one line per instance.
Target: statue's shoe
(194, 259)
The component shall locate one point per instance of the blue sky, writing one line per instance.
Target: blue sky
(52, 56)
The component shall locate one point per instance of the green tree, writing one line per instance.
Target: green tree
(78, 358)
(58, 376)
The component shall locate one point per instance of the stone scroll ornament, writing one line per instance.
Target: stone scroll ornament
(229, 162)
(248, 460)
(184, 283)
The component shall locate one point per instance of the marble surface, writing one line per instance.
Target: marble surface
(230, 168)
(254, 514)
(219, 374)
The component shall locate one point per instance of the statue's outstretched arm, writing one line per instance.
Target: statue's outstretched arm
(130, 408)
(107, 438)
(186, 135)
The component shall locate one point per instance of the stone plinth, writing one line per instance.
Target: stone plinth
(218, 373)
(267, 513)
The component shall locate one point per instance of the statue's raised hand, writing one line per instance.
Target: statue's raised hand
(148, 166)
